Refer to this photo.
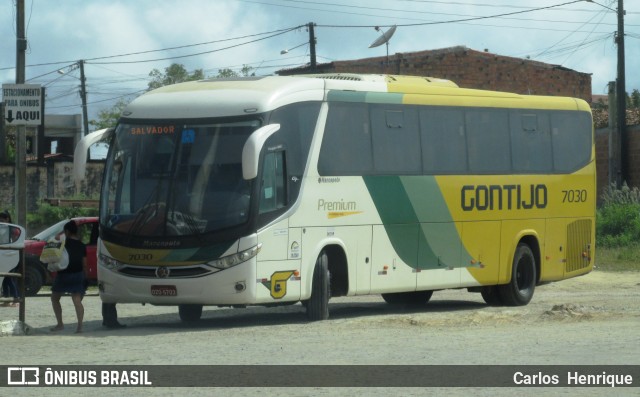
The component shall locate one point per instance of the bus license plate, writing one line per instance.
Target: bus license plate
(164, 290)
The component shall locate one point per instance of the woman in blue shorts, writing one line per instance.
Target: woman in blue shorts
(72, 279)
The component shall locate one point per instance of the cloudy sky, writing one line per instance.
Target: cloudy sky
(122, 41)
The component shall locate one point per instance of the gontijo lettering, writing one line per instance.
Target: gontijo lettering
(498, 197)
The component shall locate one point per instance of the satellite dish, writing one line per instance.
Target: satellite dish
(384, 39)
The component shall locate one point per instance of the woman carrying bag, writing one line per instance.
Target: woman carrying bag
(71, 280)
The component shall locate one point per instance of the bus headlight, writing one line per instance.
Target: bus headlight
(109, 262)
(235, 259)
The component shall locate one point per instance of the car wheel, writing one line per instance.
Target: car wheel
(33, 281)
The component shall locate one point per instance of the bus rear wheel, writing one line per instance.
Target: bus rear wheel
(318, 305)
(520, 289)
(408, 298)
(491, 295)
(190, 313)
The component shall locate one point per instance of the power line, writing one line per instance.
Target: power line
(573, 48)
(583, 42)
(199, 53)
(411, 11)
(456, 20)
(455, 3)
(601, 12)
(274, 32)
(100, 101)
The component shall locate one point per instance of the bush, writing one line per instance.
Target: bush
(47, 215)
(618, 219)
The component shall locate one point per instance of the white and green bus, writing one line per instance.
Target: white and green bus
(277, 190)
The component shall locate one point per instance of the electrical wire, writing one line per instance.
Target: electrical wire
(282, 31)
(196, 54)
(601, 12)
(457, 20)
(583, 41)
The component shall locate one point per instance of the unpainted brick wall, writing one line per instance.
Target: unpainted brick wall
(479, 70)
(602, 157)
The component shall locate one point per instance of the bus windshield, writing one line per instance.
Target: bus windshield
(169, 179)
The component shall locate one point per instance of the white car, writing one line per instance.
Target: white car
(11, 240)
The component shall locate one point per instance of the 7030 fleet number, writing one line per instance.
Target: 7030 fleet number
(574, 196)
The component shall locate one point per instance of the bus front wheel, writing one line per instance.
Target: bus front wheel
(318, 305)
(520, 289)
(190, 313)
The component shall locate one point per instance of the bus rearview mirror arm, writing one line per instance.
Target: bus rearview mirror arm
(81, 150)
(253, 147)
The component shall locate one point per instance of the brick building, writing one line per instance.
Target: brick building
(469, 69)
(602, 156)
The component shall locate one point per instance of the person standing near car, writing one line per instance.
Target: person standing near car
(9, 285)
(72, 279)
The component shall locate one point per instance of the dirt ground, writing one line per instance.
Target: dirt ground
(594, 319)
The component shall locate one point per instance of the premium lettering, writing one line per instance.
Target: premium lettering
(336, 205)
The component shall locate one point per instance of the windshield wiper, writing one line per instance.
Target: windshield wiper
(142, 215)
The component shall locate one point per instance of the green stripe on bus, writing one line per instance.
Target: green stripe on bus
(367, 97)
(417, 221)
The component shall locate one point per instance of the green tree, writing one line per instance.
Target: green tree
(109, 117)
(635, 99)
(176, 73)
(228, 73)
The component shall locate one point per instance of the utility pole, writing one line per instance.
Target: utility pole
(312, 46)
(21, 150)
(21, 139)
(83, 97)
(40, 131)
(621, 102)
(614, 138)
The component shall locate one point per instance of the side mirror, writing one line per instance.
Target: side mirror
(253, 147)
(11, 236)
(81, 150)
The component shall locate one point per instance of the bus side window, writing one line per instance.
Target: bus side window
(273, 185)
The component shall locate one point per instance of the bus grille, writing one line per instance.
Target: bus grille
(578, 245)
(175, 272)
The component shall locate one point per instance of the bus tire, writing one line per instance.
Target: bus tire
(491, 295)
(520, 289)
(190, 313)
(318, 304)
(408, 298)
